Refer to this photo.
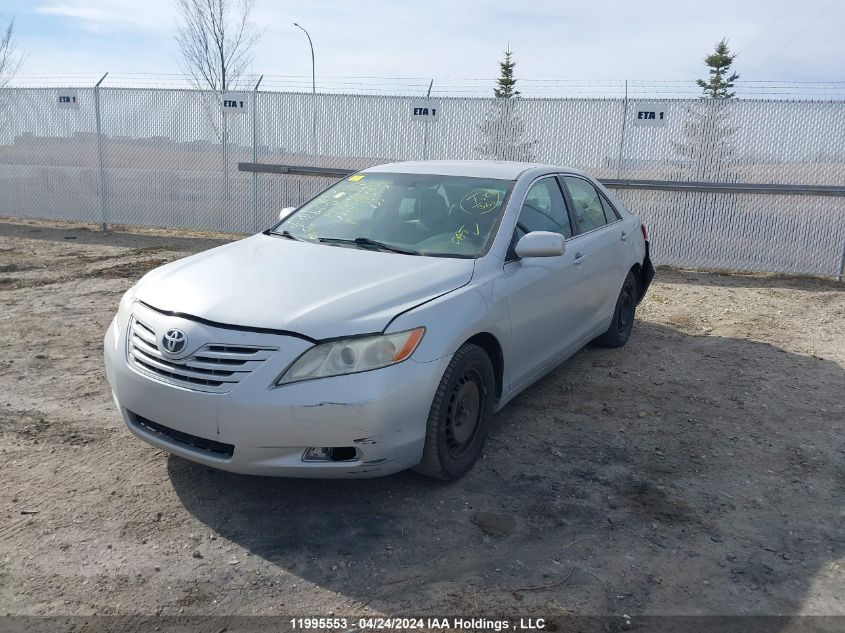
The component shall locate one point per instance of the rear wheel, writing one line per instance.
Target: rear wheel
(459, 416)
(623, 316)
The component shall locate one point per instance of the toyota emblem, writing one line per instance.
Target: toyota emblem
(174, 341)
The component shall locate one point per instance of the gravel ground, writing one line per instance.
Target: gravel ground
(698, 470)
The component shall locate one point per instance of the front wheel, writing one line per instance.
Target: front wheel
(460, 413)
(623, 316)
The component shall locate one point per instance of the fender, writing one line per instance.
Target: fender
(452, 318)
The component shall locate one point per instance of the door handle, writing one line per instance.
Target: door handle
(579, 258)
(624, 236)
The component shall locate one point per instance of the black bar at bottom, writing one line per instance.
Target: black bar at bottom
(534, 620)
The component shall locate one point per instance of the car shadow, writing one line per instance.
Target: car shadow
(680, 475)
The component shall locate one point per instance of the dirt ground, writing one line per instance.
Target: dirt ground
(698, 470)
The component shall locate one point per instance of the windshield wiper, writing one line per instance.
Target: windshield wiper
(366, 241)
(288, 235)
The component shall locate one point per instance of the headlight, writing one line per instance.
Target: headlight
(352, 355)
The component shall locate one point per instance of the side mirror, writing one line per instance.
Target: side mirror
(541, 244)
(286, 212)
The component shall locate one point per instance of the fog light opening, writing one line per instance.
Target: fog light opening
(331, 454)
(343, 454)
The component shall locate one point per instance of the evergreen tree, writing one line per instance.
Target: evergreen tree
(506, 83)
(720, 83)
(706, 152)
(503, 131)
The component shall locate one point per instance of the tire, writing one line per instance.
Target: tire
(460, 414)
(623, 316)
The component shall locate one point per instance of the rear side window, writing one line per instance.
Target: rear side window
(544, 209)
(610, 212)
(589, 210)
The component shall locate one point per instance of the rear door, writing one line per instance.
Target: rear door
(599, 246)
(548, 312)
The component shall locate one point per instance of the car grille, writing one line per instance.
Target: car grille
(218, 449)
(215, 368)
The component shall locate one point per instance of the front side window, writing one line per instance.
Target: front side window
(589, 212)
(419, 214)
(544, 209)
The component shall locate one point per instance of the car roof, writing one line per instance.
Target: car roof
(501, 169)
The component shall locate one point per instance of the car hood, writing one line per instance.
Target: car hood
(316, 290)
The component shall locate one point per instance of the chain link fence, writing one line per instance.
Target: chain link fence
(169, 158)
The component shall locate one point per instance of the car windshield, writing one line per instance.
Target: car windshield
(444, 216)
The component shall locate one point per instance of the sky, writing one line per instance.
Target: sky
(455, 39)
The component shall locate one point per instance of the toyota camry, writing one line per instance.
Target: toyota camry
(379, 326)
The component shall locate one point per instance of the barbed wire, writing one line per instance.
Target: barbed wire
(445, 87)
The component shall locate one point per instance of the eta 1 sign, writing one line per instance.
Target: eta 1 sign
(67, 100)
(234, 102)
(425, 110)
(650, 114)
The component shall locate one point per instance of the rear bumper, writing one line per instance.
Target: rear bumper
(646, 275)
(260, 429)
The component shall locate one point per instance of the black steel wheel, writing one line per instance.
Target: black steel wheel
(459, 416)
(623, 316)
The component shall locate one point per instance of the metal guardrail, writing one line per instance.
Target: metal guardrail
(297, 170)
(724, 187)
(613, 183)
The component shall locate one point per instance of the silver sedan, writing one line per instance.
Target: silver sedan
(380, 325)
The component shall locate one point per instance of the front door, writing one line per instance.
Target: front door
(547, 310)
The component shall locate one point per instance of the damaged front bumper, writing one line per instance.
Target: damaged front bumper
(359, 425)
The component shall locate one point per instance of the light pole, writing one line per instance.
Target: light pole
(311, 44)
(313, 92)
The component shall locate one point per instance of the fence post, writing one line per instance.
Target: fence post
(314, 121)
(624, 128)
(426, 122)
(103, 206)
(255, 154)
(224, 202)
(841, 265)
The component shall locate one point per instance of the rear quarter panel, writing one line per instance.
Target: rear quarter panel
(636, 251)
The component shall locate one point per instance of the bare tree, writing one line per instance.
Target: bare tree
(216, 39)
(10, 58)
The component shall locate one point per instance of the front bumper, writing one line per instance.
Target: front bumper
(260, 429)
